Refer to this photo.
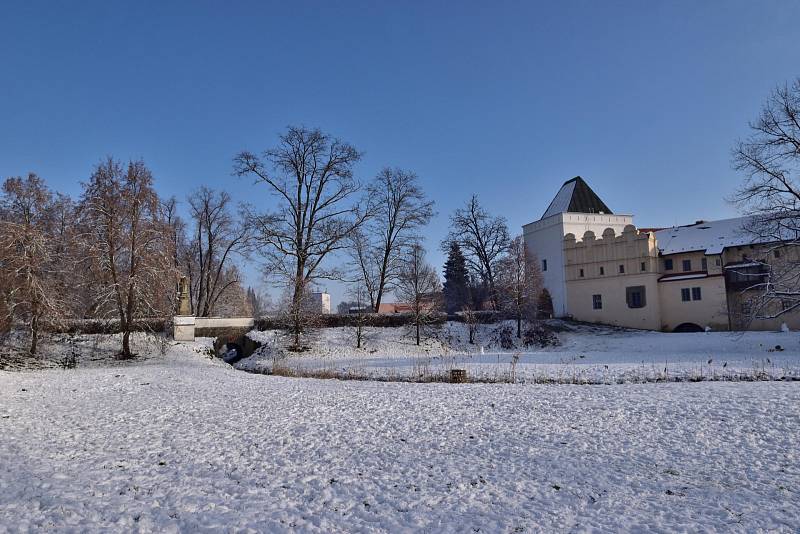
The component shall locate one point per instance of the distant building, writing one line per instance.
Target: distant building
(320, 302)
(599, 267)
(430, 301)
(388, 308)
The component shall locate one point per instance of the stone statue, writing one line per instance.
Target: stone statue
(183, 297)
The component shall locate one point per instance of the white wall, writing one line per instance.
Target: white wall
(545, 238)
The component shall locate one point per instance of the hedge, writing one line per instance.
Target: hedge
(109, 326)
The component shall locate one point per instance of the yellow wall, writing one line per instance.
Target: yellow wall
(711, 310)
(630, 249)
(696, 259)
(664, 308)
(615, 309)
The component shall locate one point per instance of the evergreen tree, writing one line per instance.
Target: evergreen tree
(456, 280)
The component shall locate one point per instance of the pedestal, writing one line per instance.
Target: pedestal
(183, 328)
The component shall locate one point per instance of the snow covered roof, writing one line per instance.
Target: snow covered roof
(711, 236)
(575, 196)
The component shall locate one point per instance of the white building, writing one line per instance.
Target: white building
(320, 302)
(600, 268)
(574, 210)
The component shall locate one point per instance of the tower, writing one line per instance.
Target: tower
(575, 209)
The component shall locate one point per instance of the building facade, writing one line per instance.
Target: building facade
(598, 267)
(320, 302)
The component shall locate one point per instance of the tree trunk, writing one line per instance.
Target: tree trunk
(519, 326)
(382, 280)
(126, 342)
(417, 332)
(34, 330)
(297, 308)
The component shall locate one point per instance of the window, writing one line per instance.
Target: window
(635, 296)
(644, 266)
(597, 302)
(602, 271)
(544, 265)
(718, 262)
(785, 304)
(687, 265)
(746, 308)
(621, 269)
(668, 264)
(581, 273)
(777, 253)
(685, 295)
(704, 264)
(696, 295)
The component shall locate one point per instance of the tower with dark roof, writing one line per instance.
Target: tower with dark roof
(575, 209)
(575, 196)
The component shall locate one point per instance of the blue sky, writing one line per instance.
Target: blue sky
(502, 99)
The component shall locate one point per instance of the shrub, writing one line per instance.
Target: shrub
(504, 336)
(338, 320)
(481, 316)
(70, 359)
(539, 335)
(108, 326)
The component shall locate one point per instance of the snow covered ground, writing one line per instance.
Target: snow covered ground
(586, 354)
(185, 443)
(179, 441)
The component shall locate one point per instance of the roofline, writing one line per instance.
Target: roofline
(726, 247)
(577, 213)
(707, 222)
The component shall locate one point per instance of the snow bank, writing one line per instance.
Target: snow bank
(586, 354)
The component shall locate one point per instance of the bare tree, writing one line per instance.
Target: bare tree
(311, 175)
(176, 228)
(127, 244)
(401, 209)
(472, 322)
(419, 287)
(483, 239)
(216, 239)
(520, 283)
(770, 194)
(259, 302)
(29, 255)
(234, 301)
(360, 302)
(343, 308)
(364, 263)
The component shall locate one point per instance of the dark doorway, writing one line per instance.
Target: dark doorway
(688, 327)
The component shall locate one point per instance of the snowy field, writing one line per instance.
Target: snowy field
(585, 354)
(184, 443)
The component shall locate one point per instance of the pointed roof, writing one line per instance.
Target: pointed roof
(575, 196)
